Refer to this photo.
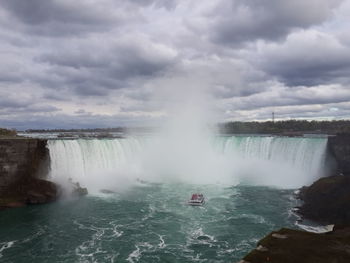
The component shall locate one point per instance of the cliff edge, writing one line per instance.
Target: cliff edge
(339, 148)
(23, 162)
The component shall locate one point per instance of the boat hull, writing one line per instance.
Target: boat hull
(195, 203)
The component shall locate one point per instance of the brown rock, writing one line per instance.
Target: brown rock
(327, 200)
(303, 247)
(14, 204)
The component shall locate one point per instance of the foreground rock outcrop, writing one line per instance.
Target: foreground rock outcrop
(327, 200)
(294, 246)
(22, 164)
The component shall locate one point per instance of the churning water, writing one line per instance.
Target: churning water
(147, 223)
(143, 217)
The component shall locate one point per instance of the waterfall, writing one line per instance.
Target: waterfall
(280, 161)
(304, 154)
(88, 160)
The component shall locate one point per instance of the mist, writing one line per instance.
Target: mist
(187, 149)
(182, 148)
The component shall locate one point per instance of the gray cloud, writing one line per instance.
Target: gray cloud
(239, 21)
(12, 106)
(300, 96)
(112, 67)
(40, 12)
(108, 63)
(11, 103)
(60, 18)
(307, 58)
(45, 16)
(168, 4)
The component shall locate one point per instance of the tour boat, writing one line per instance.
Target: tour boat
(196, 200)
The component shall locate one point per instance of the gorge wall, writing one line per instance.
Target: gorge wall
(22, 162)
(339, 147)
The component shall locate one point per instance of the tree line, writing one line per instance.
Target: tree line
(7, 132)
(286, 127)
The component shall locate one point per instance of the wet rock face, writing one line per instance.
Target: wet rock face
(22, 163)
(339, 147)
(20, 158)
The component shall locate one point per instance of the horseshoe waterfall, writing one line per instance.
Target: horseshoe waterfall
(136, 209)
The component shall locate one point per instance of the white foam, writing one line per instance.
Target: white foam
(6, 245)
(134, 256)
(162, 242)
(117, 233)
(315, 229)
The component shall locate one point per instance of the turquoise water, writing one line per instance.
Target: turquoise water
(146, 223)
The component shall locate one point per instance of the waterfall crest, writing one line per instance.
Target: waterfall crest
(280, 161)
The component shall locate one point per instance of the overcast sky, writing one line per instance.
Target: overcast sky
(108, 63)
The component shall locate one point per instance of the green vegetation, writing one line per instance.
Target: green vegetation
(290, 127)
(7, 133)
(118, 129)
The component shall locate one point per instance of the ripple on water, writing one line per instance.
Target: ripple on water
(149, 225)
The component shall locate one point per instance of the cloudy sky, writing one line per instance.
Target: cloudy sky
(107, 63)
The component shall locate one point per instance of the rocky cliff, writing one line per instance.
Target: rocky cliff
(339, 148)
(22, 164)
(294, 246)
(327, 200)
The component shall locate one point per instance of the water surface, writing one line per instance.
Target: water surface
(147, 223)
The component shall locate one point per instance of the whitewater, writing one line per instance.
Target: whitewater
(285, 162)
(248, 182)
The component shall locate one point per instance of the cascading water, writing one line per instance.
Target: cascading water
(288, 162)
(279, 161)
(142, 221)
(93, 162)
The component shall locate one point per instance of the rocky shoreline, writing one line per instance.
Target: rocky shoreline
(326, 201)
(295, 246)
